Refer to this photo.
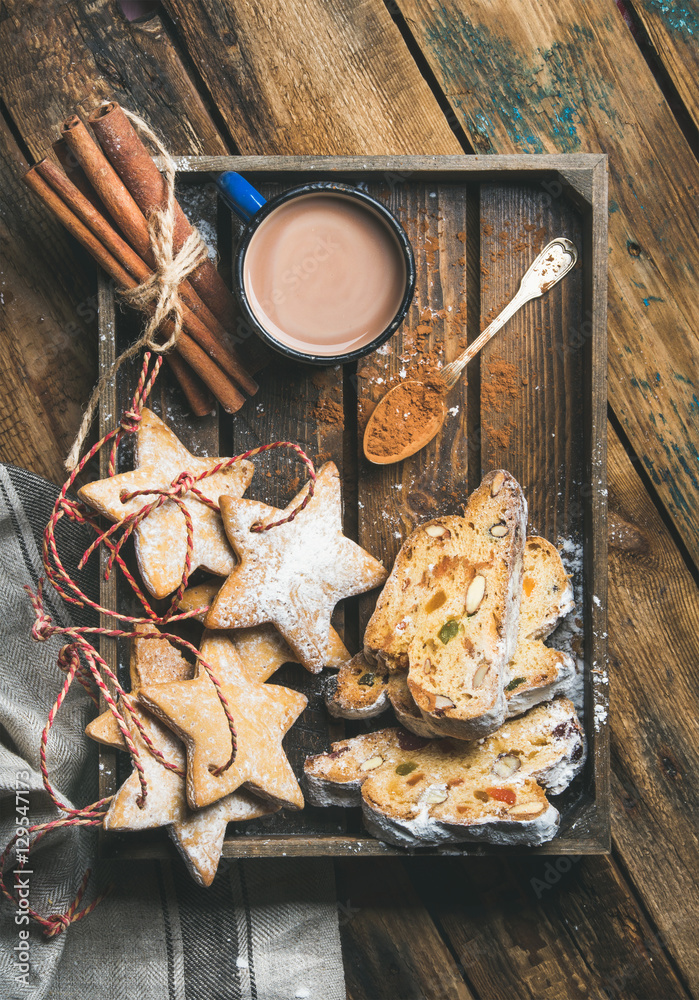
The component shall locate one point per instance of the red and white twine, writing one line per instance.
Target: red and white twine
(80, 659)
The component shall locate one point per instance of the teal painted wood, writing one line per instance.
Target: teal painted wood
(673, 29)
(530, 76)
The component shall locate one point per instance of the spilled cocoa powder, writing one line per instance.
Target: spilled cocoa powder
(412, 407)
(500, 386)
(329, 411)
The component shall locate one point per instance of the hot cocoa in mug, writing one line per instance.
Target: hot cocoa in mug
(324, 273)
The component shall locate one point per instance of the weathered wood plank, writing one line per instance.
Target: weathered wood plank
(532, 398)
(542, 417)
(541, 77)
(394, 498)
(48, 308)
(68, 57)
(305, 76)
(654, 653)
(545, 930)
(673, 29)
(478, 168)
(390, 945)
(306, 406)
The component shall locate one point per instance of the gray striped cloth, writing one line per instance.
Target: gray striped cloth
(267, 929)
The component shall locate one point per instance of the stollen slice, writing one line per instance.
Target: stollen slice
(263, 714)
(359, 690)
(537, 673)
(161, 538)
(293, 574)
(197, 835)
(449, 611)
(416, 792)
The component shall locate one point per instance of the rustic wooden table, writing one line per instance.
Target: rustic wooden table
(416, 76)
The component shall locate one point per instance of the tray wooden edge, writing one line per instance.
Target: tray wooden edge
(587, 175)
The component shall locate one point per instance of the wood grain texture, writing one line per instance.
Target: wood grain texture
(542, 417)
(673, 29)
(48, 311)
(654, 677)
(69, 57)
(390, 945)
(393, 499)
(545, 930)
(532, 394)
(306, 76)
(542, 77)
(304, 405)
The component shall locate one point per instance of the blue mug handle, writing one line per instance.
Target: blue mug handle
(239, 194)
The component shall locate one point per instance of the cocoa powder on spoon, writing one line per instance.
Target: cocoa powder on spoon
(413, 406)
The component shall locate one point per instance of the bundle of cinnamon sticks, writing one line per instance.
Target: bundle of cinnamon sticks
(104, 198)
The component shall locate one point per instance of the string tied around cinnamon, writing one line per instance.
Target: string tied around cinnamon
(171, 268)
(160, 289)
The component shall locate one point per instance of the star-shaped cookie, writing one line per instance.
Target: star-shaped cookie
(197, 834)
(294, 574)
(263, 713)
(262, 648)
(161, 539)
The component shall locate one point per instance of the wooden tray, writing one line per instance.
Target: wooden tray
(535, 403)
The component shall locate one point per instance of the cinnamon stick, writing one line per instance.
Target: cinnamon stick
(216, 379)
(104, 231)
(75, 173)
(201, 401)
(132, 223)
(134, 164)
(108, 185)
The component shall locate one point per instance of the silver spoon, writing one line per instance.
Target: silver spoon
(552, 264)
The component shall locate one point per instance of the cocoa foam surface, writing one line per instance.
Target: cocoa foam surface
(324, 274)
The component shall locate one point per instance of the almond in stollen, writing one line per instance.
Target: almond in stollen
(479, 675)
(434, 796)
(527, 810)
(475, 594)
(441, 703)
(497, 483)
(437, 531)
(371, 764)
(506, 765)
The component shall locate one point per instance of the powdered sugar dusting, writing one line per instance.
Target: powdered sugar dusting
(569, 635)
(161, 539)
(198, 836)
(295, 573)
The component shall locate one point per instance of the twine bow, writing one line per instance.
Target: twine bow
(160, 289)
